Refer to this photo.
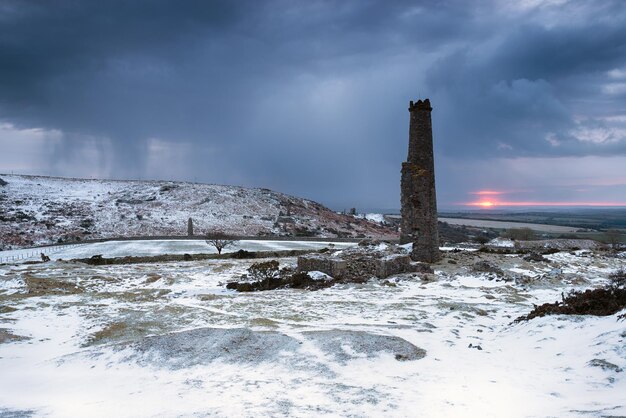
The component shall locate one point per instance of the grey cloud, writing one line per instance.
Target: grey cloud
(304, 97)
(527, 88)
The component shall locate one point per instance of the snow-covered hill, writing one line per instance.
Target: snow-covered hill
(40, 210)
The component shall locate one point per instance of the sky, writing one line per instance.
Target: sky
(310, 97)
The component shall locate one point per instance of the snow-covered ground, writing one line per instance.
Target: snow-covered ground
(372, 217)
(41, 210)
(159, 247)
(87, 353)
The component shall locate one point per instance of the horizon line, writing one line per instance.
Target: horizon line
(495, 204)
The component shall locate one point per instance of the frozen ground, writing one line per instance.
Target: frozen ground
(157, 247)
(433, 345)
(41, 210)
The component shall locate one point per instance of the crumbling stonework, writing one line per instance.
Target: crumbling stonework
(334, 267)
(360, 264)
(418, 198)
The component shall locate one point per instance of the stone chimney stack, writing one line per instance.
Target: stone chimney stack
(418, 199)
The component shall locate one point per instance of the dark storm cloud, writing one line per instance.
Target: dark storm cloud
(307, 97)
(522, 97)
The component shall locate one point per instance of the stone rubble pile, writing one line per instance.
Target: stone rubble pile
(363, 262)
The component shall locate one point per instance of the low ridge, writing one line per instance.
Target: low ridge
(40, 210)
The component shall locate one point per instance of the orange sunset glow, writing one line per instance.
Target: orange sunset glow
(488, 199)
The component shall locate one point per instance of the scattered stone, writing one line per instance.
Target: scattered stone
(605, 365)
(428, 277)
(298, 280)
(422, 268)
(187, 257)
(3, 183)
(477, 347)
(485, 267)
(533, 256)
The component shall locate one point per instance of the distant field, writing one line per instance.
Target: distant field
(508, 225)
(598, 219)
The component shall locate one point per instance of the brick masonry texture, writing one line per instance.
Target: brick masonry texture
(418, 197)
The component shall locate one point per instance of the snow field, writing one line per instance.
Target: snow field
(70, 367)
(145, 248)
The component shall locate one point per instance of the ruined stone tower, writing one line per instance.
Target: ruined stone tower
(418, 199)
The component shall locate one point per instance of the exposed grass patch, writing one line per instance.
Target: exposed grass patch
(39, 287)
(110, 332)
(6, 309)
(7, 336)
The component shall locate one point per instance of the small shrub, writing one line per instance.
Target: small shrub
(243, 254)
(599, 302)
(482, 239)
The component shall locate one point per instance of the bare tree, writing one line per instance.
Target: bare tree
(220, 241)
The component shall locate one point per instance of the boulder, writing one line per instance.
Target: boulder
(486, 267)
(245, 347)
(533, 256)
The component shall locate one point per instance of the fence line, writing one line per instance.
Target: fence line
(36, 252)
(51, 249)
